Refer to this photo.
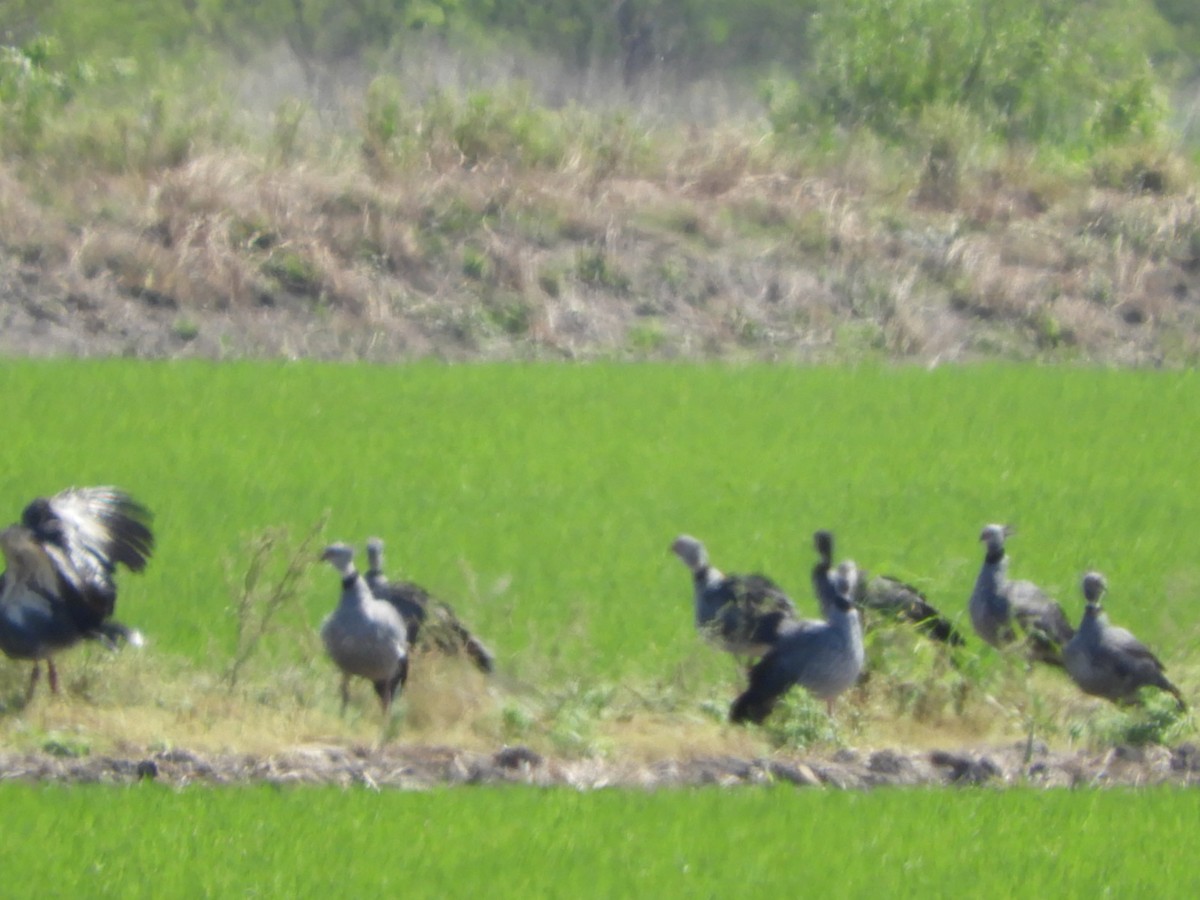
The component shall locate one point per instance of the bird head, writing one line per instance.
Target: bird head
(994, 535)
(845, 580)
(340, 556)
(823, 544)
(690, 551)
(375, 553)
(1094, 587)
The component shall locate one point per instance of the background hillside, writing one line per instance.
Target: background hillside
(929, 180)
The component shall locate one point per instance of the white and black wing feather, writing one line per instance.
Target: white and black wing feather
(86, 533)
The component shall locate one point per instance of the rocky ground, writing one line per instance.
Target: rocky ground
(418, 768)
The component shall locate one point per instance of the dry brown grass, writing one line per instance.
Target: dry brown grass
(139, 702)
(582, 235)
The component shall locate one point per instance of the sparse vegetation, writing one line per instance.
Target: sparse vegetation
(382, 181)
(261, 595)
(909, 211)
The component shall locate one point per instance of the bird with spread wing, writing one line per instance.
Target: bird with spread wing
(58, 587)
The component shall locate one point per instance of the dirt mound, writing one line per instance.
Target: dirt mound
(424, 767)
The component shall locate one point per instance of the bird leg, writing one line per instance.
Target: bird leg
(384, 690)
(345, 693)
(33, 679)
(390, 687)
(53, 673)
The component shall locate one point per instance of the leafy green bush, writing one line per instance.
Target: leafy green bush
(1054, 71)
(34, 84)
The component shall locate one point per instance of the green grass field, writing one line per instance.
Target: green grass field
(541, 499)
(151, 842)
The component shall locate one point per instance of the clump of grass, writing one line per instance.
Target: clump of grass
(597, 269)
(800, 722)
(185, 329)
(1156, 721)
(295, 271)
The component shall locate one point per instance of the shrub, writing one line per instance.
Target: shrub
(1047, 71)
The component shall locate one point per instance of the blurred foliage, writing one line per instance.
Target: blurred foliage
(1057, 71)
(1083, 74)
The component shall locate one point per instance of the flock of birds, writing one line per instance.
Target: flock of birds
(369, 632)
(751, 616)
(58, 589)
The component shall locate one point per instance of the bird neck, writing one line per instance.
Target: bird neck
(831, 602)
(993, 574)
(349, 575)
(843, 618)
(374, 565)
(820, 578)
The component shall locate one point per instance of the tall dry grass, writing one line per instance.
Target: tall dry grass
(410, 216)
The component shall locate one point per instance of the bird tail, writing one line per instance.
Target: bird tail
(451, 636)
(112, 634)
(483, 658)
(1174, 691)
(940, 629)
(751, 707)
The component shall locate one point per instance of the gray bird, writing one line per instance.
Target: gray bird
(999, 606)
(894, 599)
(430, 622)
(1107, 661)
(364, 637)
(740, 614)
(58, 587)
(824, 657)
(891, 597)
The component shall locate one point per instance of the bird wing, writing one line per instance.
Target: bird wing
(82, 535)
(1129, 653)
(885, 592)
(761, 594)
(1038, 614)
(435, 620)
(773, 675)
(408, 599)
(752, 609)
(99, 527)
(28, 564)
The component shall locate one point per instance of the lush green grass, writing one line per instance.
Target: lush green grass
(542, 499)
(149, 841)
